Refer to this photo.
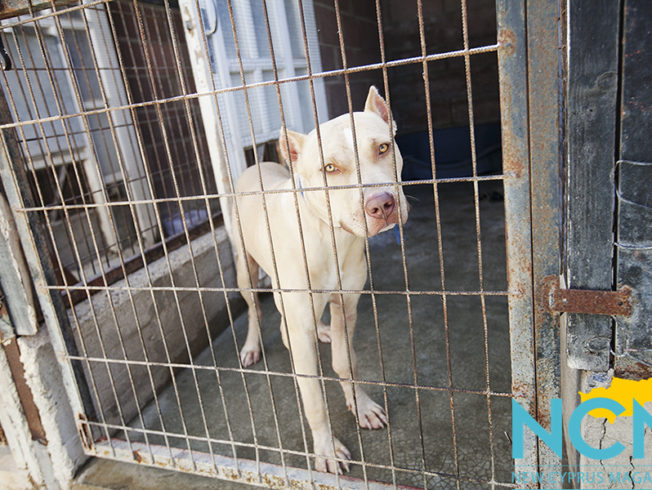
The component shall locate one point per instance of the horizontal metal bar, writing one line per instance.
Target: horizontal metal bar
(388, 384)
(226, 468)
(246, 471)
(57, 13)
(203, 197)
(587, 301)
(197, 289)
(14, 8)
(325, 74)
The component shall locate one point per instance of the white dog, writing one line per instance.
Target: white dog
(382, 205)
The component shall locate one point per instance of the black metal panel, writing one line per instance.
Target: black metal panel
(634, 232)
(592, 122)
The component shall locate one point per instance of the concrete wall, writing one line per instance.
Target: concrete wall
(146, 328)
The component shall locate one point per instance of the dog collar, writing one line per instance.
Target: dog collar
(300, 186)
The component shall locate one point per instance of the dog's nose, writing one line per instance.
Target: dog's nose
(381, 205)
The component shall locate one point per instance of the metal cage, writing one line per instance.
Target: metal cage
(125, 126)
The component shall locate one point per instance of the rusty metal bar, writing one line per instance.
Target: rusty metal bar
(12, 351)
(247, 471)
(587, 301)
(14, 8)
(323, 74)
(182, 181)
(544, 21)
(390, 384)
(512, 69)
(16, 187)
(161, 200)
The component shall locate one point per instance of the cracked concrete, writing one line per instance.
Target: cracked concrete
(622, 471)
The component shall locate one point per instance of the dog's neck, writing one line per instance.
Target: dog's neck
(339, 228)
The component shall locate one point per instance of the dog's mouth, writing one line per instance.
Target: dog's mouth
(379, 225)
(375, 224)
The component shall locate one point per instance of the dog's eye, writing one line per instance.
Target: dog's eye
(383, 148)
(330, 168)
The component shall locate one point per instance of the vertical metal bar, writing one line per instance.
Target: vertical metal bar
(74, 82)
(346, 326)
(195, 143)
(140, 239)
(240, 235)
(544, 96)
(268, 229)
(476, 207)
(55, 90)
(400, 225)
(16, 186)
(512, 68)
(440, 248)
(179, 73)
(21, 131)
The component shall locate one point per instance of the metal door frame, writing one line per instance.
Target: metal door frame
(528, 42)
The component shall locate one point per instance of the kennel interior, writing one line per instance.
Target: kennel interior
(131, 121)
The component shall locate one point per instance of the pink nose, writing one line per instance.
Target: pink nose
(381, 205)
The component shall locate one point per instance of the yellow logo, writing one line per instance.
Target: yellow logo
(623, 391)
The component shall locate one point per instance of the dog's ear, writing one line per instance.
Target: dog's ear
(290, 146)
(376, 104)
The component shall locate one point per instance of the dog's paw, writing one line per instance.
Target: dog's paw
(249, 355)
(331, 456)
(370, 414)
(324, 332)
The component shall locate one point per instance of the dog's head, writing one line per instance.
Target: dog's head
(379, 204)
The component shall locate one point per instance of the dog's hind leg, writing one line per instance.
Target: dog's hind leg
(247, 275)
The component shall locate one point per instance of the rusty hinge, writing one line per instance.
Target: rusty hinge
(558, 300)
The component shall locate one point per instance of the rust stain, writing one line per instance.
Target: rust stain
(137, 457)
(85, 433)
(634, 371)
(14, 8)
(591, 302)
(506, 41)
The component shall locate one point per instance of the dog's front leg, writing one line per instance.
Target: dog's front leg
(330, 454)
(343, 319)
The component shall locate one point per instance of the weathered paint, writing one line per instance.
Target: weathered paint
(587, 301)
(245, 471)
(544, 21)
(512, 65)
(14, 8)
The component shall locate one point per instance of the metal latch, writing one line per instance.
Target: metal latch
(558, 300)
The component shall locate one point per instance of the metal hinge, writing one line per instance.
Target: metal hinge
(558, 300)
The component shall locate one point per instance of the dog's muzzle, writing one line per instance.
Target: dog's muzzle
(380, 206)
(382, 212)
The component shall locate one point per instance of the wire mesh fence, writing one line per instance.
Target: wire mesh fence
(134, 121)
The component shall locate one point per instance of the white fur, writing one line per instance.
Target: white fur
(296, 246)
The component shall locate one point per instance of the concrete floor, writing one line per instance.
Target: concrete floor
(433, 444)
